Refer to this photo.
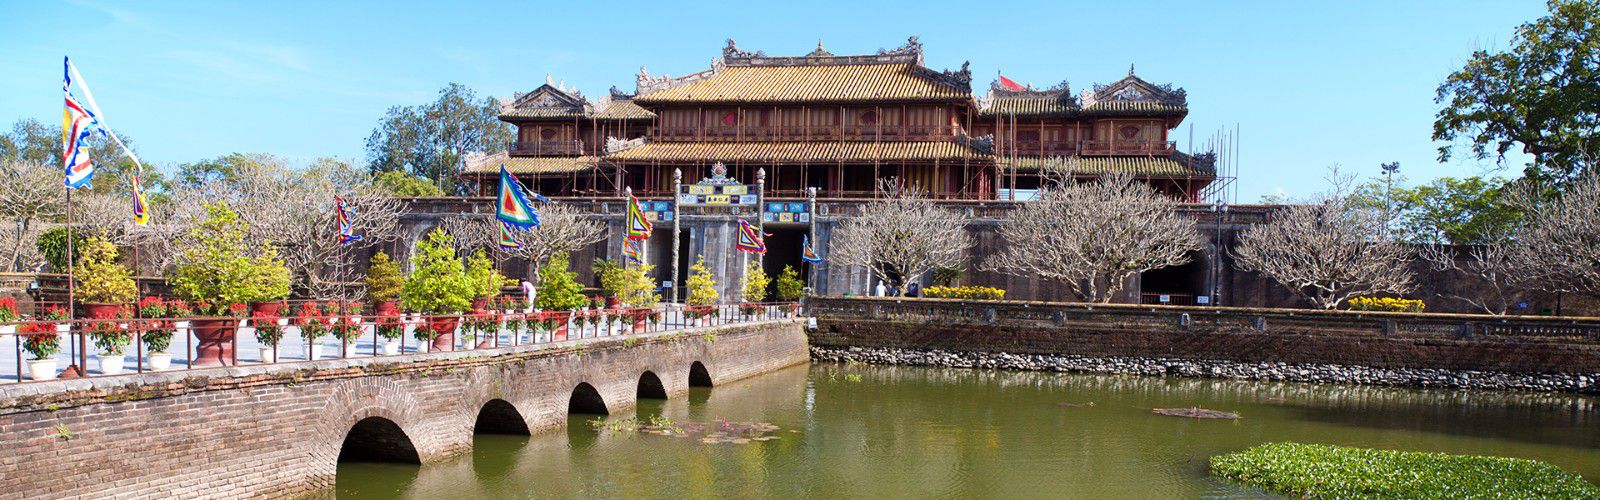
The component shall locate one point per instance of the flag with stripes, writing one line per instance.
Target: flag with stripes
(638, 225)
(141, 207)
(77, 123)
(750, 239)
(508, 240)
(347, 230)
(632, 250)
(512, 205)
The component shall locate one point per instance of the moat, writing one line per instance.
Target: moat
(876, 432)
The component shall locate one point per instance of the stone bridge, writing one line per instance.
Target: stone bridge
(278, 430)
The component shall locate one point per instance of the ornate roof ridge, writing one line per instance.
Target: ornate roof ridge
(563, 98)
(910, 53)
(1133, 88)
(1059, 89)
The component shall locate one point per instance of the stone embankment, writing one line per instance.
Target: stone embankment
(1288, 372)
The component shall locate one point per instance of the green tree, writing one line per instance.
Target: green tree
(558, 287)
(1542, 94)
(755, 282)
(429, 140)
(220, 268)
(384, 279)
(438, 283)
(789, 288)
(52, 245)
(35, 141)
(702, 286)
(486, 280)
(101, 278)
(1461, 211)
(403, 185)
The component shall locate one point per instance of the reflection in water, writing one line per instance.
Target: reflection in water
(867, 431)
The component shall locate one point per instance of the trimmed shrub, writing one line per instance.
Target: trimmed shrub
(1384, 304)
(964, 292)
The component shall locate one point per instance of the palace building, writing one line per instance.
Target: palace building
(836, 125)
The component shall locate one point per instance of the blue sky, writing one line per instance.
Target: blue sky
(1309, 85)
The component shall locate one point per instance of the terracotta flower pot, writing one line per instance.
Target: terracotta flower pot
(445, 326)
(613, 302)
(97, 309)
(639, 323)
(480, 303)
(266, 308)
(387, 308)
(216, 341)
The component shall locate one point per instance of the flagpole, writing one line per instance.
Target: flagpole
(677, 216)
(83, 340)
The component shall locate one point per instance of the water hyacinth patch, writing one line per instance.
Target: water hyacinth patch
(1328, 471)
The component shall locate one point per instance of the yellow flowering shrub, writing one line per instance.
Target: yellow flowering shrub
(965, 292)
(1385, 304)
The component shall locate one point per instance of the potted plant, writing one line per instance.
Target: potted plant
(476, 326)
(425, 336)
(384, 283)
(514, 320)
(755, 290)
(486, 280)
(438, 287)
(103, 284)
(638, 293)
(8, 314)
(180, 310)
(42, 341)
(313, 325)
(269, 333)
(220, 271)
(559, 294)
(703, 295)
(389, 328)
(112, 337)
(156, 332)
(789, 288)
(610, 276)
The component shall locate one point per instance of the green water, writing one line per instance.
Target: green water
(898, 432)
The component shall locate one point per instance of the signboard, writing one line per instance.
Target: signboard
(716, 195)
(1202, 300)
(1166, 299)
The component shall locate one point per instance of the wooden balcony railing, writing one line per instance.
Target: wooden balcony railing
(548, 148)
(802, 133)
(1149, 148)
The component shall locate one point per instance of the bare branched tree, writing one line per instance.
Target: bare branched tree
(1094, 236)
(562, 229)
(1327, 250)
(1558, 242)
(901, 236)
(293, 210)
(1494, 269)
(30, 193)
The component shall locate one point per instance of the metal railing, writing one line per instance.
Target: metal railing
(44, 348)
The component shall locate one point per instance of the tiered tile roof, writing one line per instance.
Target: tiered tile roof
(490, 164)
(1129, 96)
(1177, 165)
(746, 77)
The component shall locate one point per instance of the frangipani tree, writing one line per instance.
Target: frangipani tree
(901, 236)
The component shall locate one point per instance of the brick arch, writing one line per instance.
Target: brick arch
(650, 386)
(352, 401)
(378, 439)
(586, 398)
(487, 385)
(699, 375)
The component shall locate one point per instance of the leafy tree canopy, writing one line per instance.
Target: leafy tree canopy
(1542, 94)
(429, 140)
(403, 185)
(1462, 211)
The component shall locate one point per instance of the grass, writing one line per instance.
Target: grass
(1327, 471)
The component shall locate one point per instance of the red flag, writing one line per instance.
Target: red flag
(1008, 84)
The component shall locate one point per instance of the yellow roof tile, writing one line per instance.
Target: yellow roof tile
(1100, 165)
(808, 83)
(530, 164)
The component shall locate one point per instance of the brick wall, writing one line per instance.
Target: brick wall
(1544, 345)
(277, 430)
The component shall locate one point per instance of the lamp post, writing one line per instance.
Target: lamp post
(677, 215)
(1389, 169)
(1221, 211)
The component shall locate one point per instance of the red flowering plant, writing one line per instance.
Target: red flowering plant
(156, 332)
(311, 322)
(268, 331)
(40, 339)
(111, 333)
(179, 308)
(219, 309)
(389, 327)
(480, 321)
(347, 327)
(8, 310)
